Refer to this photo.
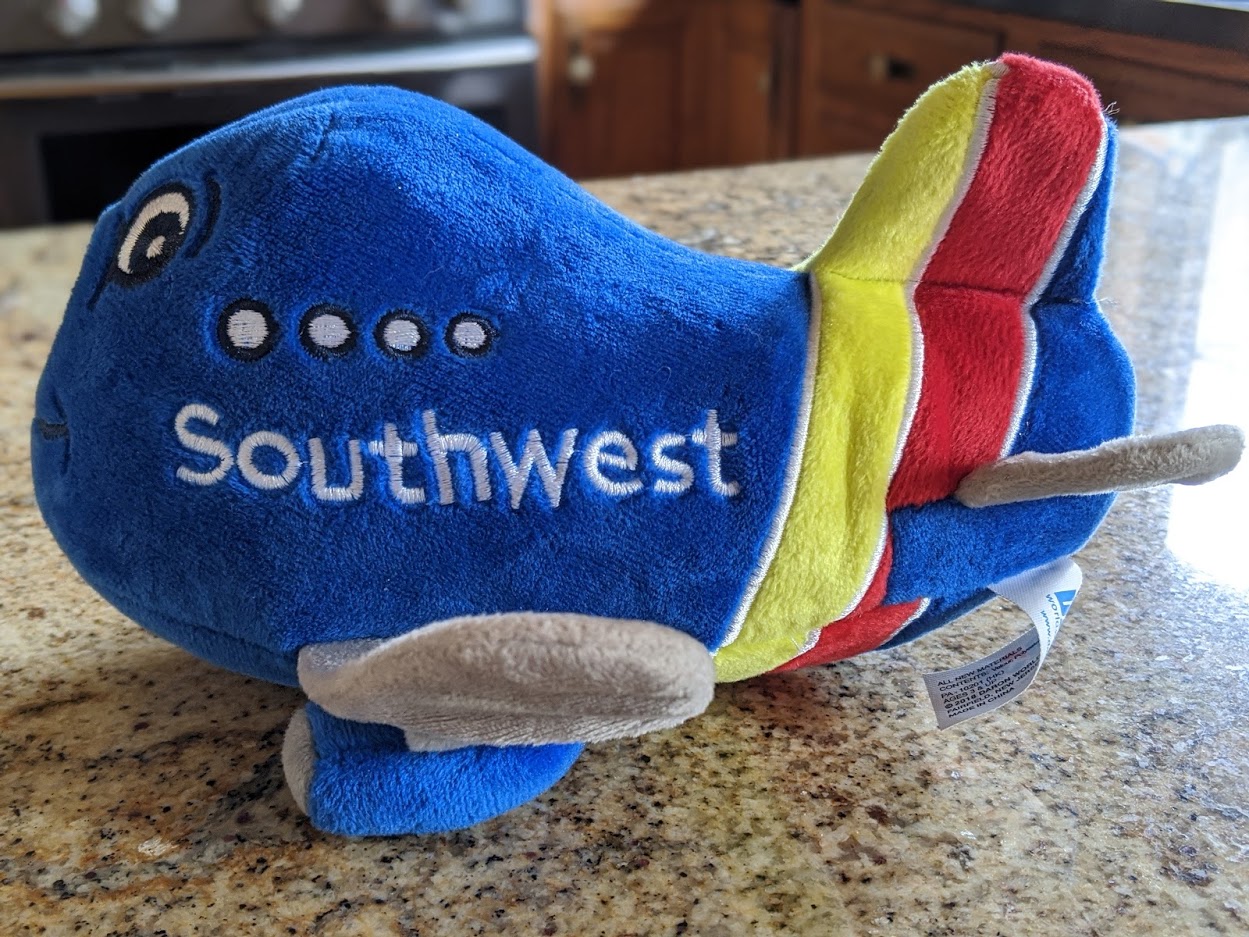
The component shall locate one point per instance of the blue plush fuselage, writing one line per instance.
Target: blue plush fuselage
(382, 206)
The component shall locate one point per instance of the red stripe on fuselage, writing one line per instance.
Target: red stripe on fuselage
(855, 634)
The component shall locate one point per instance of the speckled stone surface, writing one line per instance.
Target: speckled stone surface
(142, 790)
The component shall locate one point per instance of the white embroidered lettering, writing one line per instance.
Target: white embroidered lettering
(394, 449)
(257, 478)
(665, 463)
(438, 445)
(599, 454)
(715, 440)
(610, 463)
(321, 489)
(534, 454)
(205, 445)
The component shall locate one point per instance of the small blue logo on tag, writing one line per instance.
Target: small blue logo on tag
(1065, 598)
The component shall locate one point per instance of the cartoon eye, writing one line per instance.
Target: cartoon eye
(470, 335)
(155, 234)
(401, 335)
(327, 331)
(247, 330)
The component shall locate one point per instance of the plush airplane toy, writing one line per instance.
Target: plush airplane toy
(357, 395)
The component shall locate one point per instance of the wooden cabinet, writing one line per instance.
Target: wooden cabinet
(1144, 81)
(861, 69)
(1141, 78)
(755, 48)
(649, 85)
(624, 76)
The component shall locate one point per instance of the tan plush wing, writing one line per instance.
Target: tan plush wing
(522, 678)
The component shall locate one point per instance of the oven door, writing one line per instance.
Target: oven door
(71, 142)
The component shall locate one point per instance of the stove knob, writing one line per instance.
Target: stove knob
(72, 18)
(404, 12)
(277, 12)
(152, 16)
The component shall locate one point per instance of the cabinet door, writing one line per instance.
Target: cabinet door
(861, 70)
(750, 89)
(619, 76)
(634, 86)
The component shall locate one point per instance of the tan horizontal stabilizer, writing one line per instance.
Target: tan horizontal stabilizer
(1189, 457)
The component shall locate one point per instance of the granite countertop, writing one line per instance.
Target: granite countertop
(143, 791)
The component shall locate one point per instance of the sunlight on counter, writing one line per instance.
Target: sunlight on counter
(1208, 524)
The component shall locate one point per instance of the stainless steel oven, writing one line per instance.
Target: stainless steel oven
(93, 91)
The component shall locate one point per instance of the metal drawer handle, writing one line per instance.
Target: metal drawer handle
(881, 67)
(580, 69)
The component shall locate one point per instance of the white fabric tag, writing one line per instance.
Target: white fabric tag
(1045, 593)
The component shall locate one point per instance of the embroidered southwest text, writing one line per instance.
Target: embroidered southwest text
(437, 466)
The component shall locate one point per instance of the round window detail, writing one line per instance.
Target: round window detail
(401, 334)
(470, 335)
(327, 332)
(247, 330)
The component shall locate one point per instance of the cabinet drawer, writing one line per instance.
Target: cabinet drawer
(861, 70)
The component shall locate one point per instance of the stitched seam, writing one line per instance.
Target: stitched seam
(1023, 393)
(323, 143)
(971, 166)
(975, 153)
(789, 484)
(910, 619)
(985, 290)
(207, 629)
(912, 282)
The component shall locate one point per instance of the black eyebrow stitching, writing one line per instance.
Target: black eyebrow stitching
(214, 208)
(107, 273)
(330, 126)
(99, 287)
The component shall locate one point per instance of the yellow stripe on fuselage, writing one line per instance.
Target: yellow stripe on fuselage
(867, 376)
